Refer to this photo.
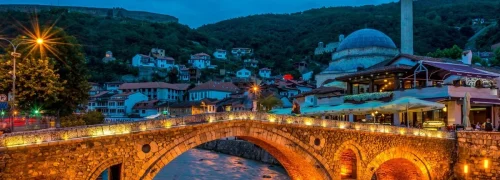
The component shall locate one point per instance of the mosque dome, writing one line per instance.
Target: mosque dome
(366, 38)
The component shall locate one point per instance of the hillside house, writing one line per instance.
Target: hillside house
(200, 60)
(220, 54)
(213, 90)
(265, 73)
(238, 52)
(243, 73)
(157, 90)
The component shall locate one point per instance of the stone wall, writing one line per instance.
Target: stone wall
(240, 148)
(307, 148)
(474, 148)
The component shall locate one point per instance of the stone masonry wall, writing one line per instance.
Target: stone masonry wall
(307, 148)
(473, 149)
(240, 148)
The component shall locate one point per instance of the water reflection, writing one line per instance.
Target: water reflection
(198, 164)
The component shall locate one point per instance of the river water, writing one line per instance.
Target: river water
(197, 164)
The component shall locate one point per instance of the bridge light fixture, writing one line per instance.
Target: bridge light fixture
(466, 169)
(486, 163)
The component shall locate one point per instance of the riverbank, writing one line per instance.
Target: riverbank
(242, 149)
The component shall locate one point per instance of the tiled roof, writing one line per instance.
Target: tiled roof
(146, 56)
(125, 94)
(201, 54)
(216, 86)
(264, 69)
(146, 104)
(161, 85)
(99, 94)
(220, 50)
(167, 58)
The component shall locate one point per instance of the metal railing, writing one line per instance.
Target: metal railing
(62, 134)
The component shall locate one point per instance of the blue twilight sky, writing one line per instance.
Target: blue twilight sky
(198, 12)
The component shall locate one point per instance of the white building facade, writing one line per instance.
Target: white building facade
(220, 54)
(243, 73)
(265, 73)
(200, 61)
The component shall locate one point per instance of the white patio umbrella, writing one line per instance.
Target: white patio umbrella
(405, 104)
(465, 111)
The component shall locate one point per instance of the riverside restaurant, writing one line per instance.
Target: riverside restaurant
(411, 91)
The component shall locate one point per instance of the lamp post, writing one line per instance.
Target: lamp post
(15, 55)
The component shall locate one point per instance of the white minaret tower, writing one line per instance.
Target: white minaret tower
(407, 27)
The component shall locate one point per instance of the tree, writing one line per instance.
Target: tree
(173, 75)
(454, 53)
(69, 60)
(72, 120)
(467, 31)
(93, 117)
(37, 83)
(496, 60)
(269, 102)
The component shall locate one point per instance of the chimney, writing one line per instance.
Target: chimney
(467, 57)
(407, 27)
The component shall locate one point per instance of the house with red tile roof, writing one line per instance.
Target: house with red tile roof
(113, 105)
(200, 60)
(238, 52)
(157, 90)
(157, 60)
(212, 89)
(146, 108)
(141, 60)
(265, 73)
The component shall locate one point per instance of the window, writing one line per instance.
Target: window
(239, 73)
(121, 110)
(143, 111)
(120, 104)
(246, 73)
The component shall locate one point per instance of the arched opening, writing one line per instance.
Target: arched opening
(398, 169)
(348, 164)
(298, 162)
(111, 173)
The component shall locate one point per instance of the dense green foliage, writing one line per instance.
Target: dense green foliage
(277, 38)
(492, 36)
(89, 118)
(453, 53)
(124, 37)
(37, 83)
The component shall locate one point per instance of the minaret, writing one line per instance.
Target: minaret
(407, 27)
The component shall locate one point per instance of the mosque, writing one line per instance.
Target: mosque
(360, 50)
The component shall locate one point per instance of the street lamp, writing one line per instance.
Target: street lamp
(15, 55)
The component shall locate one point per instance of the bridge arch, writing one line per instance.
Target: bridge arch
(96, 172)
(298, 158)
(355, 156)
(407, 164)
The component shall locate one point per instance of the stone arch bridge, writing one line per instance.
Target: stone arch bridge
(307, 148)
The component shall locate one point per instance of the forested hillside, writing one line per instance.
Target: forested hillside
(124, 37)
(277, 38)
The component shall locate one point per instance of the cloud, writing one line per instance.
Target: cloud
(198, 12)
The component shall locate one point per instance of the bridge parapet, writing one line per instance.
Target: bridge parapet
(48, 136)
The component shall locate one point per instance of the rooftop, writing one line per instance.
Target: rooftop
(366, 38)
(216, 86)
(146, 104)
(160, 85)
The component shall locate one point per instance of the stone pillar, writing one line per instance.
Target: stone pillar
(407, 26)
(351, 117)
(454, 112)
(396, 82)
(396, 120)
(349, 88)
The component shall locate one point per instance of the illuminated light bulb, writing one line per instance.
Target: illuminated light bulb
(466, 169)
(486, 164)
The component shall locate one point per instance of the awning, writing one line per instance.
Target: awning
(460, 69)
(485, 101)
